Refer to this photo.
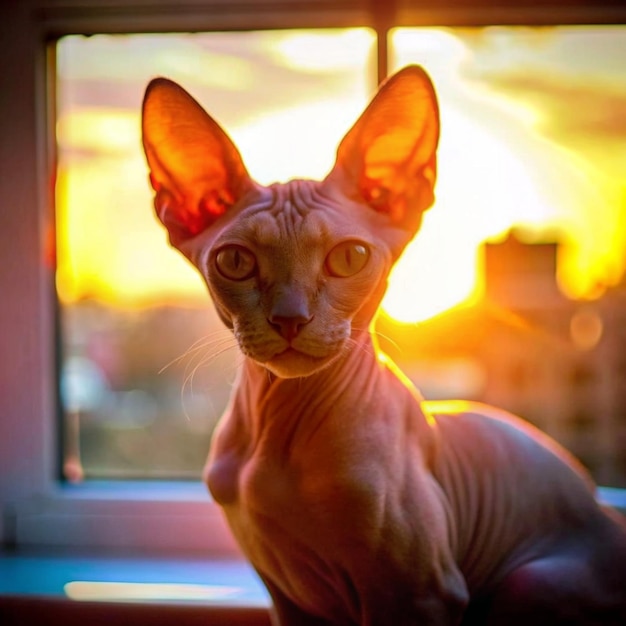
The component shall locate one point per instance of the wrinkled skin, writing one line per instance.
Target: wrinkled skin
(356, 502)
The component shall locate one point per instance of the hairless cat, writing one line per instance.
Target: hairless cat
(357, 502)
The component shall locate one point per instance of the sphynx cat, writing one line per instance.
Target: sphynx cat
(356, 502)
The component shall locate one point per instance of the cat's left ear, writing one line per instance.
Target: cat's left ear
(388, 158)
(195, 169)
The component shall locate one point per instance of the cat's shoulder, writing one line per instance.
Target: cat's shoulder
(493, 434)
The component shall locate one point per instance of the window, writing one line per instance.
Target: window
(142, 385)
(474, 66)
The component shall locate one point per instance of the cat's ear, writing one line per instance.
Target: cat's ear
(195, 169)
(388, 158)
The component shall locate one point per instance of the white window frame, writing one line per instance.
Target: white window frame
(36, 508)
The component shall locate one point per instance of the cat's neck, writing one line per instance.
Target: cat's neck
(350, 373)
(357, 385)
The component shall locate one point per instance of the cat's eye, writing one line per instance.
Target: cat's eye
(235, 262)
(347, 258)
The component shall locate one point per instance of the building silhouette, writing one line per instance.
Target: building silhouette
(526, 347)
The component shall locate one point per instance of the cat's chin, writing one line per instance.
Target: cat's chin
(292, 363)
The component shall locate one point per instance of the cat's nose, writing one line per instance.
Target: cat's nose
(289, 327)
(289, 312)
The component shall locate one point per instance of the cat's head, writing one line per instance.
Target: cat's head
(297, 270)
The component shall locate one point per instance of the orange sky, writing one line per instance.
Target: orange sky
(532, 134)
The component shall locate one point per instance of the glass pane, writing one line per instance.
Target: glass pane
(147, 366)
(532, 159)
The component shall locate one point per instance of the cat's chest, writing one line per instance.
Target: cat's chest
(243, 474)
(288, 524)
(222, 476)
(247, 483)
(263, 488)
(305, 526)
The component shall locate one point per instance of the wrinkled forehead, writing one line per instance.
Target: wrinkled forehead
(296, 212)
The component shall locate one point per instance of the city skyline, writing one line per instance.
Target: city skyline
(513, 149)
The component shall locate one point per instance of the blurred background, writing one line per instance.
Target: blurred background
(512, 293)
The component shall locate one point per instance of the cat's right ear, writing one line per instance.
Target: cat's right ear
(388, 159)
(195, 169)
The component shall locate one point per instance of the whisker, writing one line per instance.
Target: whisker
(239, 360)
(351, 344)
(372, 330)
(213, 347)
(394, 343)
(204, 361)
(199, 344)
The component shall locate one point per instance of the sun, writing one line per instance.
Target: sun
(439, 269)
(429, 278)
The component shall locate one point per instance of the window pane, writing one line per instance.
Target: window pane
(146, 364)
(532, 158)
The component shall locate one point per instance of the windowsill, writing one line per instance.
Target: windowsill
(147, 516)
(84, 587)
(52, 587)
(142, 552)
(613, 497)
(142, 490)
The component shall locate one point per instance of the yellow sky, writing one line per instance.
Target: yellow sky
(504, 160)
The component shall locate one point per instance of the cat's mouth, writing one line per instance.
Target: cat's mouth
(293, 363)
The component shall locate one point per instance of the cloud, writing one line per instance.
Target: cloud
(569, 109)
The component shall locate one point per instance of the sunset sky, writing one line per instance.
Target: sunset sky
(533, 134)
